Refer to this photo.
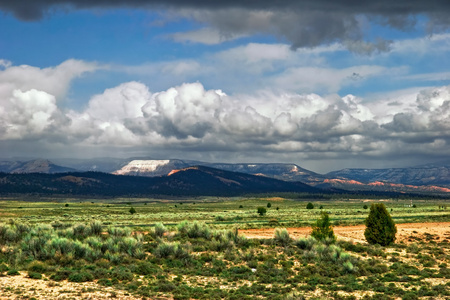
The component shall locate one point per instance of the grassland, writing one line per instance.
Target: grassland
(220, 212)
(191, 249)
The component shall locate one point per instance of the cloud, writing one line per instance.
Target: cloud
(191, 121)
(53, 80)
(207, 36)
(27, 114)
(327, 80)
(304, 23)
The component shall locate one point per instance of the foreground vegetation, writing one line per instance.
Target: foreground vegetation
(193, 259)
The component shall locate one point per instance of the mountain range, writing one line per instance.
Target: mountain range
(426, 179)
(191, 181)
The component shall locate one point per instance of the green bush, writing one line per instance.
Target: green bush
(3, 268)
(12, 272)
(282, 237)
(380, 228)
(80, 277)
(34, 275)
(160, 229)
(322, 229)
(95, 228)
(261, 211)
(37, 266)
(164, 250)
(309, 205)
(269, 205)
(132, 210)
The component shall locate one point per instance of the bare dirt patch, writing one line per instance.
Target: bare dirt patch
(21, 287)
(356, 233)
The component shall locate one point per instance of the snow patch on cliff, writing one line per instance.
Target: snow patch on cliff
(141, 166)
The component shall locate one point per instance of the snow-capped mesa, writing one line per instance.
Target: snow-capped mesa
(141, 166)
(151, 167)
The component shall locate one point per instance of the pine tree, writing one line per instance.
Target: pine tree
(322, 229)
(380, 228)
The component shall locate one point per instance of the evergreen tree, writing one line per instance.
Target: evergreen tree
(380, 228)
(322, 229)
(261, 211)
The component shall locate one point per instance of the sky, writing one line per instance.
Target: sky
(325, 84)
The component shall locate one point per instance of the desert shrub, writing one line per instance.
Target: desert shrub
(35, 246)
(80, 231)
(34, 275)
(220, 218)
(194, 230)
(12, 272)
(8, 235)
(164, 250)
(132, 210)
(269, 205)
(37, 266)
(3, 268)
(119, 232)
(22, 228)
(273, 222)
(182, 252)
(61, 245)
(95, 228)
(365, 206)
(306, 243)
(282, 237)
(309, 205)
(348, 267)
(322, 229)
(261, 211)
(122, 274)
(380, 228)
(81, 276)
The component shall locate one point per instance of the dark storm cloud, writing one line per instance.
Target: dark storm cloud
(34, 9)
(306, 23)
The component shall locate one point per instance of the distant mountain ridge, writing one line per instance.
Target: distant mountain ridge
(426, 179)
(191, 181)
(426, 175)
(33, 166)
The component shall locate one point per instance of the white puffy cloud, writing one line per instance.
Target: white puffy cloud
(52, 80)
(189, 119)
(27, 114)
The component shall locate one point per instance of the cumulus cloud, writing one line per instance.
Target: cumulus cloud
(53, 80)
(27, 114)
(190, 119)
(304, 23)
(29, 96)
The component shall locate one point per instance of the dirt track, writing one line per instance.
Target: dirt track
(356, 233)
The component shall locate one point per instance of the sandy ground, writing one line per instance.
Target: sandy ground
(21, 287)
(356, 233)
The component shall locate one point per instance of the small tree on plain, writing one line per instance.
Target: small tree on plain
(132, 210)
(262, 211)
(322, 229)
(309, 205)
(269, 205)
(380, 228)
